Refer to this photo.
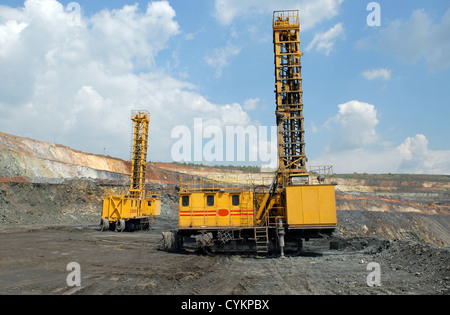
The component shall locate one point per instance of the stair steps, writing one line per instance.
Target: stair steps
(262, 239)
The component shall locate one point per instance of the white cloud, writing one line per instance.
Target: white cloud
(311, 11)
(324, 42)
(77, 85)
(9, 34)
(356, 126)
(127, 38)
(415, 39)
(382, 73)
(220, 57)
(419, 159)
(356, 147)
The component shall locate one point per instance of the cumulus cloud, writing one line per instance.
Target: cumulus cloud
(419, 159)
(324, 42)
(415, 39)
(356, 146)
(76, 85)
(382, 73)
(311, 11)
(356, 122)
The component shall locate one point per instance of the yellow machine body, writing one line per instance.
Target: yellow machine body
(119, 207)
(210, 209)
(302, 206)
(311, 206)
(213, 216)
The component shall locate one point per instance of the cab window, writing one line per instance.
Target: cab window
(235, 200)
(210, 200)
(185, 201)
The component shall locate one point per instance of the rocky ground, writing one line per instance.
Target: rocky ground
(34, 261)
(45, 226)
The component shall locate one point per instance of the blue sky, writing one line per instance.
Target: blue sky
(375, 97)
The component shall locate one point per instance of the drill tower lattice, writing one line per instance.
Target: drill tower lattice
(141, 120)
(289, 103)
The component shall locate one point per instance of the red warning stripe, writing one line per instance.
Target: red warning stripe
(212, 213)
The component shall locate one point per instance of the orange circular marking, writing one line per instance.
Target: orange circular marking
(223, 212)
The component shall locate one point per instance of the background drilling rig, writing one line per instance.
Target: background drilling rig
(134, 208)
(250, 214)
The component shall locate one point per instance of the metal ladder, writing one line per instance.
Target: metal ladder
(246, 220)
(262, 239)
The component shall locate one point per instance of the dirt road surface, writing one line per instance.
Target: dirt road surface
(34, 261)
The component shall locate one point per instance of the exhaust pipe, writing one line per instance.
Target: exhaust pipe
(281, 233)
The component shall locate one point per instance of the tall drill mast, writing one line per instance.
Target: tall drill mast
(288, 113)
(134, 208)
(141, 121)
(289, 103)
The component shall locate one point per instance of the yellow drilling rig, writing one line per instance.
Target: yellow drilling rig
(239, 214)
(135, 207)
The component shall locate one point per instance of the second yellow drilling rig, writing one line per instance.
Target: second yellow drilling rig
(239, 214)
(134, 208)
